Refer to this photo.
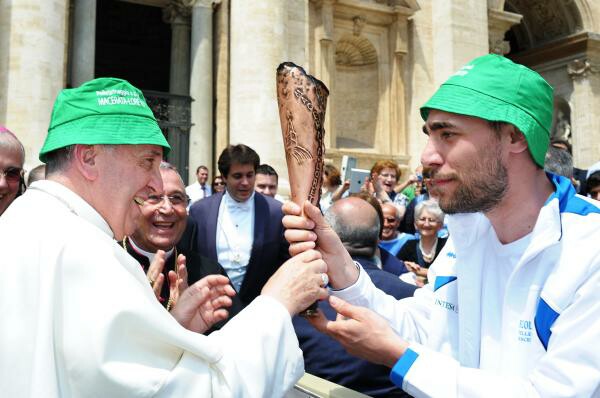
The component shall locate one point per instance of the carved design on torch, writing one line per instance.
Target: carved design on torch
(291, 142)
(302, 101)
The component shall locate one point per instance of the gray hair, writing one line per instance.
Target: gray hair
(58, 160)
(37, 173)
(164, 165)
(432, 207)
(559, 161)
(360, 239)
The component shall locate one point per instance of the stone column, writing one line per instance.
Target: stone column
(201, 86)
(460, 33)
(35, 68)
(258, 46)
(177, 13)
(326, 64)
(499, 22)
(585, 118)
(84, 42)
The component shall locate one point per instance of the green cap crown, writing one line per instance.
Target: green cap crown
(102, 111)
(494, 88)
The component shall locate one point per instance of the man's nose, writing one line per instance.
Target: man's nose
(431, 155)
(155, 182)
(166, 206)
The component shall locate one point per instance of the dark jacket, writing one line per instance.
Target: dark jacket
(269, 250)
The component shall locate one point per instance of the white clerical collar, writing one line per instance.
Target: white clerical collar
(147, 254)
(234, 204)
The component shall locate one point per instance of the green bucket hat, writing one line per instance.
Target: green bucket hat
(102, 111)
(494, 88)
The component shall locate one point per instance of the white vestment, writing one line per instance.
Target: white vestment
(79, 318)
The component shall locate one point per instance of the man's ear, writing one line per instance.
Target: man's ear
(518, 143)
(85, 160)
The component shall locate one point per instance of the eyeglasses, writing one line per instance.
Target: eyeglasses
(12, 174)
(429, 220)
(175, 199)
(219, 183)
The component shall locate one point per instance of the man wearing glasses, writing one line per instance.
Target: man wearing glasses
(78, 314)
(170, 268)
(12, 156)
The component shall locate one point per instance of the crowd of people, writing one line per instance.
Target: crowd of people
(130, 283)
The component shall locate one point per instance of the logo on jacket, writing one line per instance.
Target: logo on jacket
(525, 330)
(446, 305)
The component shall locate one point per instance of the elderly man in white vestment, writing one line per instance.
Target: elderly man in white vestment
(79, 318)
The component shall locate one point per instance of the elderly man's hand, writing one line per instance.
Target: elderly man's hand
(202, 305)
(311, 231)
(362, 333)
(154, 273)
(178, 282)
(298, 282)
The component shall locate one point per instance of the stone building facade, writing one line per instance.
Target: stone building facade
(208, 66)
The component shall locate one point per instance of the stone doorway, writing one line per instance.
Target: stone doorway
(133, 41)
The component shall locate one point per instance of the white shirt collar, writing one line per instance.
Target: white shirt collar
(147, 254)
(231, 203)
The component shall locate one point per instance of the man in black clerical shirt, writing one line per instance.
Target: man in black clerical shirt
(158, 246)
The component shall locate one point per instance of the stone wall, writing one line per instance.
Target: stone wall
(36, 72)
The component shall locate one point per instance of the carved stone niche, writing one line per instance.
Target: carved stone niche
(360, 49)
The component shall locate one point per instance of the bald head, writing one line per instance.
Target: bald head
(10, 143)
(357, 224)
(12, 156)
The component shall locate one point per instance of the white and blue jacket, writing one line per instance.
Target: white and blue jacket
(550, 313)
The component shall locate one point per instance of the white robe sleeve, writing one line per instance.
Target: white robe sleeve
(115, 340)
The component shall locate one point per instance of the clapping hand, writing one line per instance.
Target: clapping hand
(178, 281)
(154, 273)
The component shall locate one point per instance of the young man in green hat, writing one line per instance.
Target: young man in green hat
(511, 309)
(79, 316)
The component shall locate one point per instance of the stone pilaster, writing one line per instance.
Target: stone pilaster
(460, 33)
(258, 46)
(399, 36)
(585, 119)
(499, 22)
(222, 67)
(201, 86)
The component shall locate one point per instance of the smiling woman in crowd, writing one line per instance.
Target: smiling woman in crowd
(419, 254)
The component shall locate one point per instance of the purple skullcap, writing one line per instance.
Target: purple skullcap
(5, 130)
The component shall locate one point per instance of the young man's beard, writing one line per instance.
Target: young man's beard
(478, 191)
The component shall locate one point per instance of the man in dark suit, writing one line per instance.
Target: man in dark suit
(241, 228)
(357, 224)
(158, 246)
